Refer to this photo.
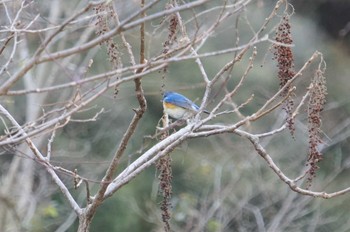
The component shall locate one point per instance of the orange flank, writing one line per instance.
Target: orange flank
(169, 105)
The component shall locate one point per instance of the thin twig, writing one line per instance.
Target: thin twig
(43, 160)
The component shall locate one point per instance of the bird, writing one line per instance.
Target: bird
(178, 106)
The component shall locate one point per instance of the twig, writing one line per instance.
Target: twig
(123, 26)
(34, 60)
(93, 119)
(49, 144)
(288, 83)
(149, 67)
(42, 159)
(291, 183)
(260, 113)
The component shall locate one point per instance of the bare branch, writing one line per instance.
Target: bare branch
(291, 183)
(43, 160)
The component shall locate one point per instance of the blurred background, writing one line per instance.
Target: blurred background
(219, 183)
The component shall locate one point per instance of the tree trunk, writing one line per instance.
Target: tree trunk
(84, 222)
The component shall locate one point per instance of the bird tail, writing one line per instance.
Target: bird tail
(206, 111)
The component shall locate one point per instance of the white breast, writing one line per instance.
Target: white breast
(178, 112)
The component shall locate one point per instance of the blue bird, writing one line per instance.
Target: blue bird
(178, 106)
